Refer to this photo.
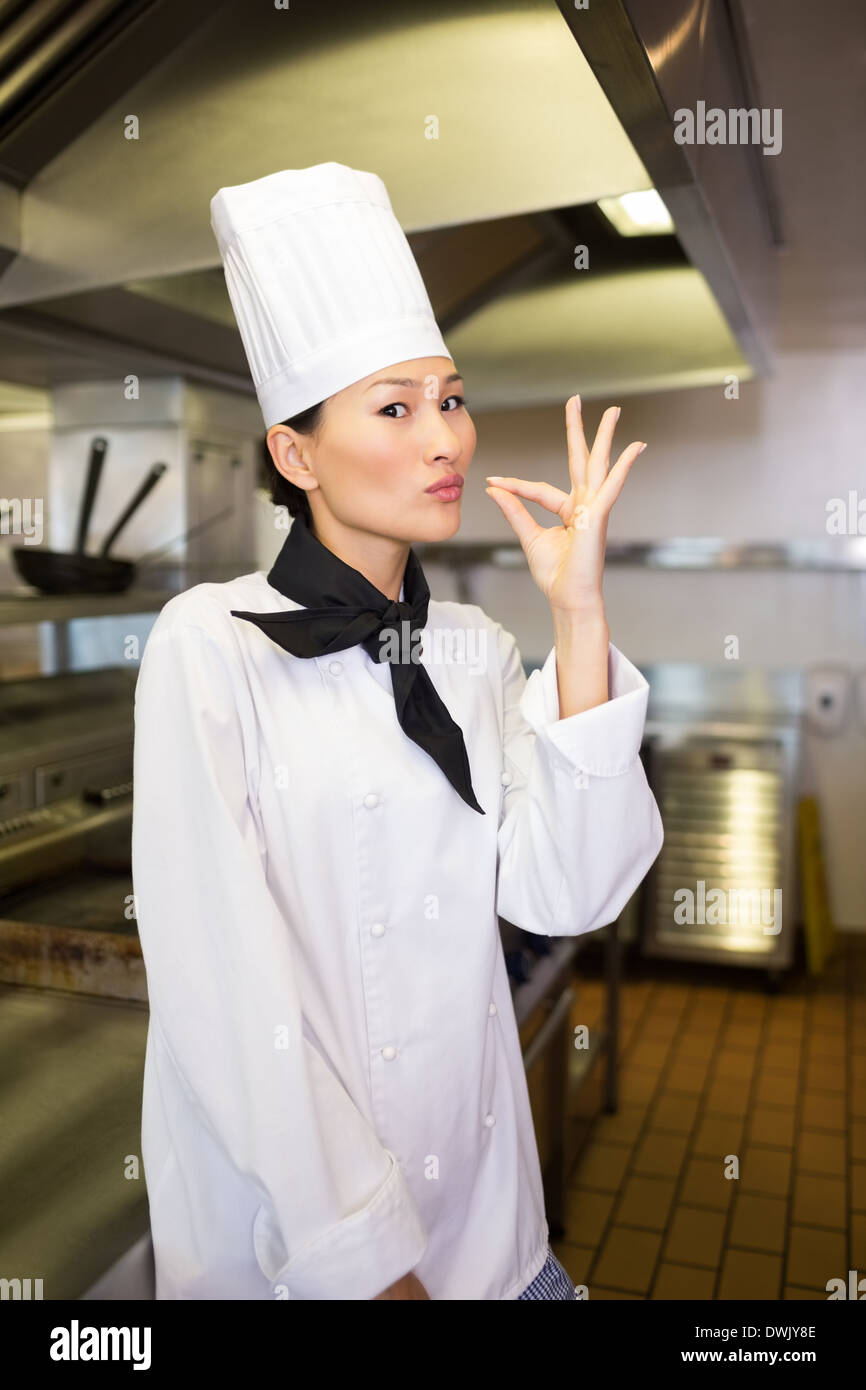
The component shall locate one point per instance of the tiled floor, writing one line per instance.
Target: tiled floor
(716, 1075)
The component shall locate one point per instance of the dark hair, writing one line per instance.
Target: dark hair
(284, 493)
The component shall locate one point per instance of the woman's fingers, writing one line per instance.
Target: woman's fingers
(578, 453)
(548, 496)
(524, 526)
(613, 483)
(599, 458)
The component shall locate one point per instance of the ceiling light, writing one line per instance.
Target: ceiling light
(638, 214)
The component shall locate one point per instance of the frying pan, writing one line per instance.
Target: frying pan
(64, 572)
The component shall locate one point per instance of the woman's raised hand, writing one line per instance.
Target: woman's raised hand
(567, 561)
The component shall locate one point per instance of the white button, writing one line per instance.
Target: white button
(371, 800)
(335, 668)
(490, 1121)
(377, 929)
(389, 1053)
(492, 1009)
(506, 779)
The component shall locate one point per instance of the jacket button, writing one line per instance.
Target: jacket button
(389, 1053)
(490, 1121)
(371, 800)
(506, 779)
(335, 668)
(492, 1009)
(377, 929)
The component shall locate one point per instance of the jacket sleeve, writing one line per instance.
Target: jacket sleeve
(579, 826)
(339, 1220)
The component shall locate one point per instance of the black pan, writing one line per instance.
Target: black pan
(63, 572)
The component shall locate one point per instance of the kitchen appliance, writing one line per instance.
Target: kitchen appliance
(723, 763)
(62, 572)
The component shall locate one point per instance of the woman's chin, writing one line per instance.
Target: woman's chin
(443, 523)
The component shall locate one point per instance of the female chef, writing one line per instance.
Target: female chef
(328, 820)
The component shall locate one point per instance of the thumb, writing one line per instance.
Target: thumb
(522, 524)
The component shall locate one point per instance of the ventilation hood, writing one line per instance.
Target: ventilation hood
(496, 128)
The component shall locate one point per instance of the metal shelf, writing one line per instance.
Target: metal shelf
(61, 608)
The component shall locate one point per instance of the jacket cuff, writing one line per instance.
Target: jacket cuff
(358, 1258)
(603, 741)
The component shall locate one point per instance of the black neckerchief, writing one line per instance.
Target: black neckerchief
(341, 609)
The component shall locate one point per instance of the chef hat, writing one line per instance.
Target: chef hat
(322, 281)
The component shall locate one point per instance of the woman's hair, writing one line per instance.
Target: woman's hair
(284, 493)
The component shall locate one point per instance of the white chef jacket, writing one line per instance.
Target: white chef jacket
(334, 1092)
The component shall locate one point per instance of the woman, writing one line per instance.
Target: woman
(340, 783)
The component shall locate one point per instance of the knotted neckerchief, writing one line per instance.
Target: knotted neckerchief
(342, 609)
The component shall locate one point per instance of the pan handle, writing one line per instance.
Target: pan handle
(94, 470)
(150, 482)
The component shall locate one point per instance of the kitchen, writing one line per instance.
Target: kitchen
(573, 236)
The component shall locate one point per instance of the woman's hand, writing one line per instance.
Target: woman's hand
(567, 561)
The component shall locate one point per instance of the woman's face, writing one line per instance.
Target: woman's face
(383, 442)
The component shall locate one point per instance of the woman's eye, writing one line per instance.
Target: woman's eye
(395, 405)
(461, 400)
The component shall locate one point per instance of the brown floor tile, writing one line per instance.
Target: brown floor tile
(826, 1076)
(636, 1084)
(782, 1029)
(820, 1153)
(577, 1259)
(825, 1112)
(688, 1076)
(624, 1126)
(735, 1067)
(825, 1047)
(771, 1126)
(586, 1215)
(627, 1259)
(858, 1241)
(719, 1135)
(602, 1166)
(759, 1223)
(661, 1028)
(749, 1275)
(597, 1292)
(858, 1186)
(646, 1202)
(727, 1098)
(819, 1201)
(777, 1088)
(649, 1053)
(690, 1046)
(814, 1257)
(705, 1185)
(766, 1171)
(660, 1155)
(781, 1056)
(695, 1236)
(809, 1295)
(682, 1282)
(749, 1006)
(674, 1111)
(741, 1033)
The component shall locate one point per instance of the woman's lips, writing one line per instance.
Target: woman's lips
(447, 489)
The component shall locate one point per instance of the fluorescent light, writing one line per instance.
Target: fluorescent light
(637, 214)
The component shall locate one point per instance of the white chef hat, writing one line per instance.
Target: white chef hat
(322, 281)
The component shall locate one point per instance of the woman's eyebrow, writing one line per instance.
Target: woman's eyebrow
(407, 381)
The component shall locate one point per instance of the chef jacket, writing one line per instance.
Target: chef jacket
(334, 1091)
